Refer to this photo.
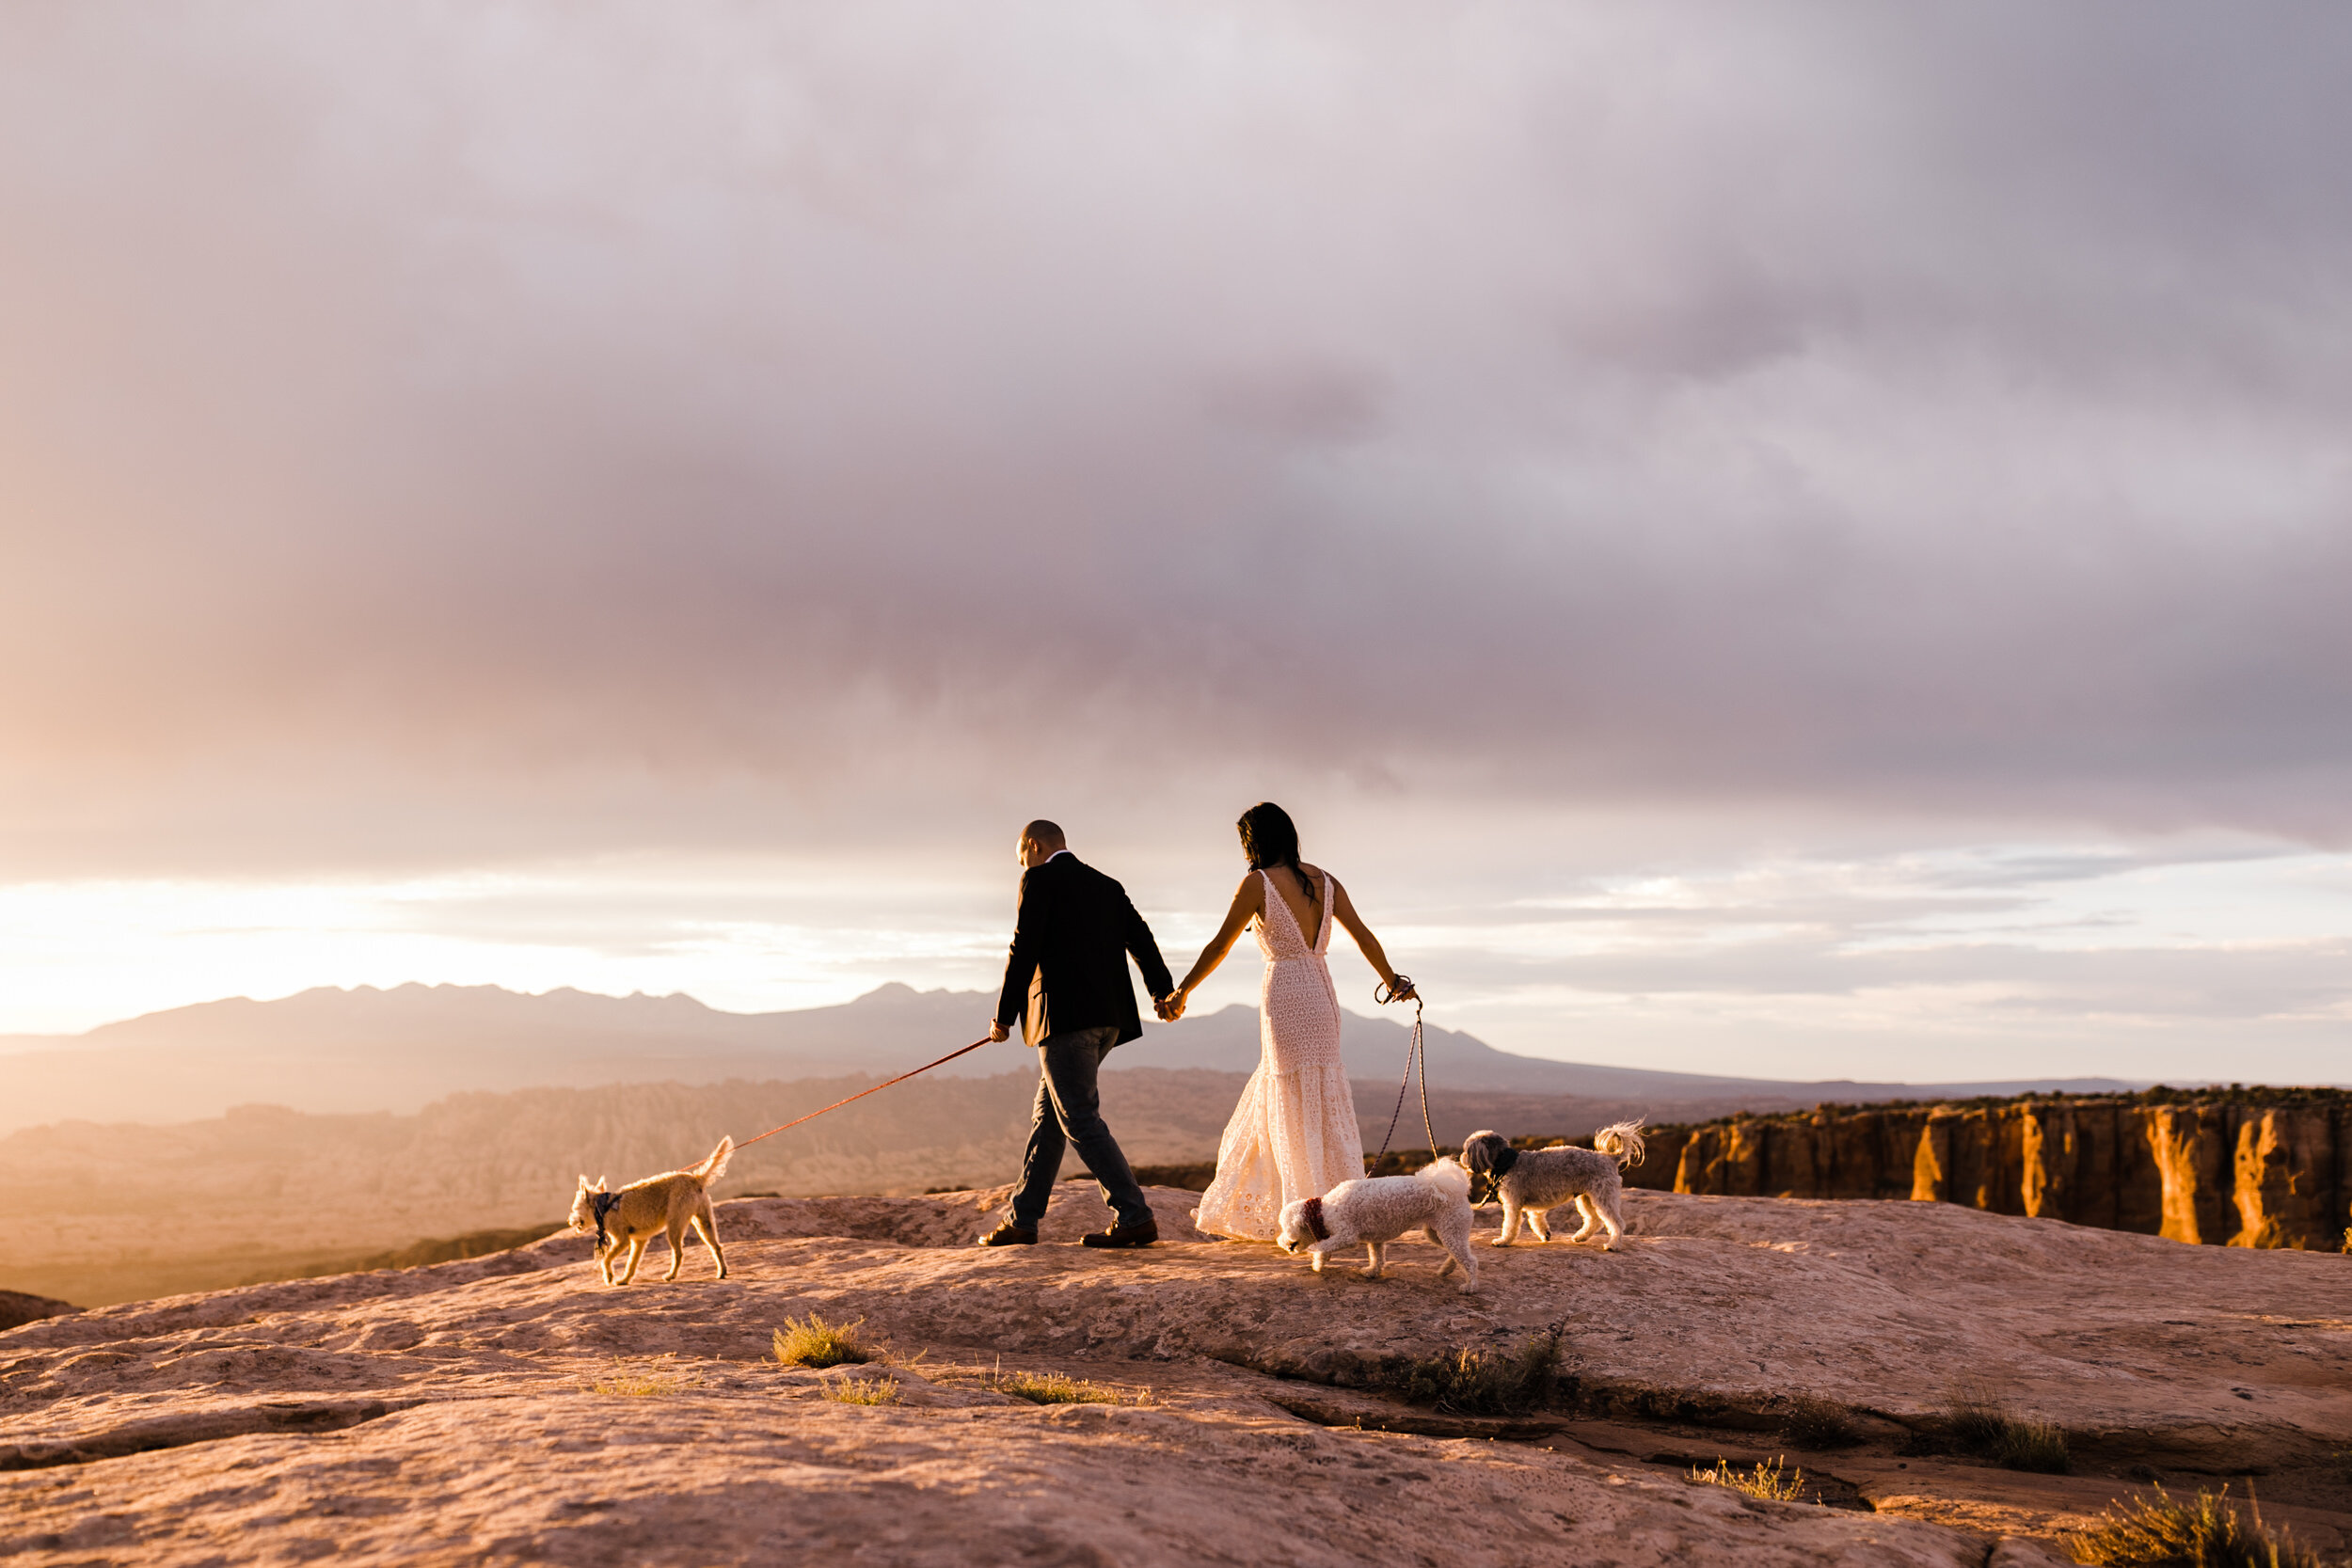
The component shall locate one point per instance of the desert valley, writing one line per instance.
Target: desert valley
(240, 1141)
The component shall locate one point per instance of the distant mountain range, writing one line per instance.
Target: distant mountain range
(365, 1050)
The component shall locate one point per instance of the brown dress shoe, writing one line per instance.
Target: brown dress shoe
(1009, 1234)
(1141, 1233)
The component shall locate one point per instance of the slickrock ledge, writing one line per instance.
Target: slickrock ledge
(17, 1308)
(512, 1409)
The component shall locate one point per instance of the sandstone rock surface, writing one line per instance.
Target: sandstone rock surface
(511, 1409)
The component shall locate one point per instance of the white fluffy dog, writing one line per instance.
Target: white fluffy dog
(1534, 1181)
(1376, 1211)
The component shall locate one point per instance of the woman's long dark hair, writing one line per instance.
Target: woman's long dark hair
(1270, 838)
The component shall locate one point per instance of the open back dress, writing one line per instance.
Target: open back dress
(1293, 1134)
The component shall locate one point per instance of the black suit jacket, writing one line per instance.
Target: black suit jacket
(1070, 946)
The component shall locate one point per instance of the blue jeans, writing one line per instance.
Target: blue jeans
(1069, 1111)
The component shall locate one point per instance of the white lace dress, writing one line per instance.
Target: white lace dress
(1293, 1134)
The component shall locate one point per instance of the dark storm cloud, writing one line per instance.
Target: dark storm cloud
(427, 432)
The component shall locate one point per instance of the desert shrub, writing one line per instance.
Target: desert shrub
(637, 1386)
(1818, 1424)
(1976, 1417)
(863, 1390)
(1483, 1382)
(2210, 1532)
(1055, 1388)
(1982, 1425)
(1770, 1482)
(812, 1342)
(2035, 1446)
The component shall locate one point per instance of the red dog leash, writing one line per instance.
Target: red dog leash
(862, 1093)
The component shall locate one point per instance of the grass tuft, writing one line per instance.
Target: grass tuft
(1977, 1416)
(2210, 1532)
(1818, 1424)
(863, 1390)
(627, 1385)
(1055, 1388)
(812, 1342)
(1468, 1382)
(2035, 1446)
(1982, 1425)
(1773, 1482)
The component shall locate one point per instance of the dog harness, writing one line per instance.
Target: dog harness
(603, 1203)
(1498, 1170)
(1313, 1214)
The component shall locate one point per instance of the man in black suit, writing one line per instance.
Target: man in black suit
(1066, 985)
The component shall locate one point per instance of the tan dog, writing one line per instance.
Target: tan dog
(642, 1210)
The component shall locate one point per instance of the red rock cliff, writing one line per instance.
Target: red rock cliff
(2241, 1168)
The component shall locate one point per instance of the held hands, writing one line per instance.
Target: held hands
(1170, 1007)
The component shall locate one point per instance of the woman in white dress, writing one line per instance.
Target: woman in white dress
(1293, 1134)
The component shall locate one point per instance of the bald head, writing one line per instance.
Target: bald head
(1039, 842)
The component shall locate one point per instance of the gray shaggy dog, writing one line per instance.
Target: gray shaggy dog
(1376, 1211)
(1534, 1181)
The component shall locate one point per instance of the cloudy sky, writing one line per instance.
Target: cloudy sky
(1812, 540)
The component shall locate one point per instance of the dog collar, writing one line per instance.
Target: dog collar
(603, 1203)
(1498, 1169)
(1313, 1216)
